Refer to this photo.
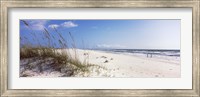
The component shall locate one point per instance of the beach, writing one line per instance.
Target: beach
(121, 65)
(144, 52)
(104, 64)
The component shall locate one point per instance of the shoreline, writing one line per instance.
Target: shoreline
(172, 59)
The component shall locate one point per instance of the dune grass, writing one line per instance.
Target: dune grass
(61, 56)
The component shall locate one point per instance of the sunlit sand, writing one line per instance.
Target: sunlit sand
(119, 65)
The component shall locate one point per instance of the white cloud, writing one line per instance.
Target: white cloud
(69, 24)
(53, 26)
(40, 24)
(37, 24)
(110, 46)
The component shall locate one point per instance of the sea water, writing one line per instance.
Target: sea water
(148, 53)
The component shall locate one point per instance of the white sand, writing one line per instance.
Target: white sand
(120, 65)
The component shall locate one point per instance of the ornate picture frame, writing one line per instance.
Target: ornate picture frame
(7, 4)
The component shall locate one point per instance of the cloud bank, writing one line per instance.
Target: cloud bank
(110, 46)
(68, 24)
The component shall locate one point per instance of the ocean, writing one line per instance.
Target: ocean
(147, 52)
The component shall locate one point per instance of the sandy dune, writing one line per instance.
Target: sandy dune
(107, 64)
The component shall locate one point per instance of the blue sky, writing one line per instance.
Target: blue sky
(109, 34)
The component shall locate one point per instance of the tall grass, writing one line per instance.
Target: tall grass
(60, 56)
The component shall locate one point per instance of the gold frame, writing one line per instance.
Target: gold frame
(194, 4)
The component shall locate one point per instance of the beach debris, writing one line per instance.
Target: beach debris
(170, 69)
(85, 54)
(103, 57)
(156, 75)
(111, 58)
(97, 57)
(106, 61)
